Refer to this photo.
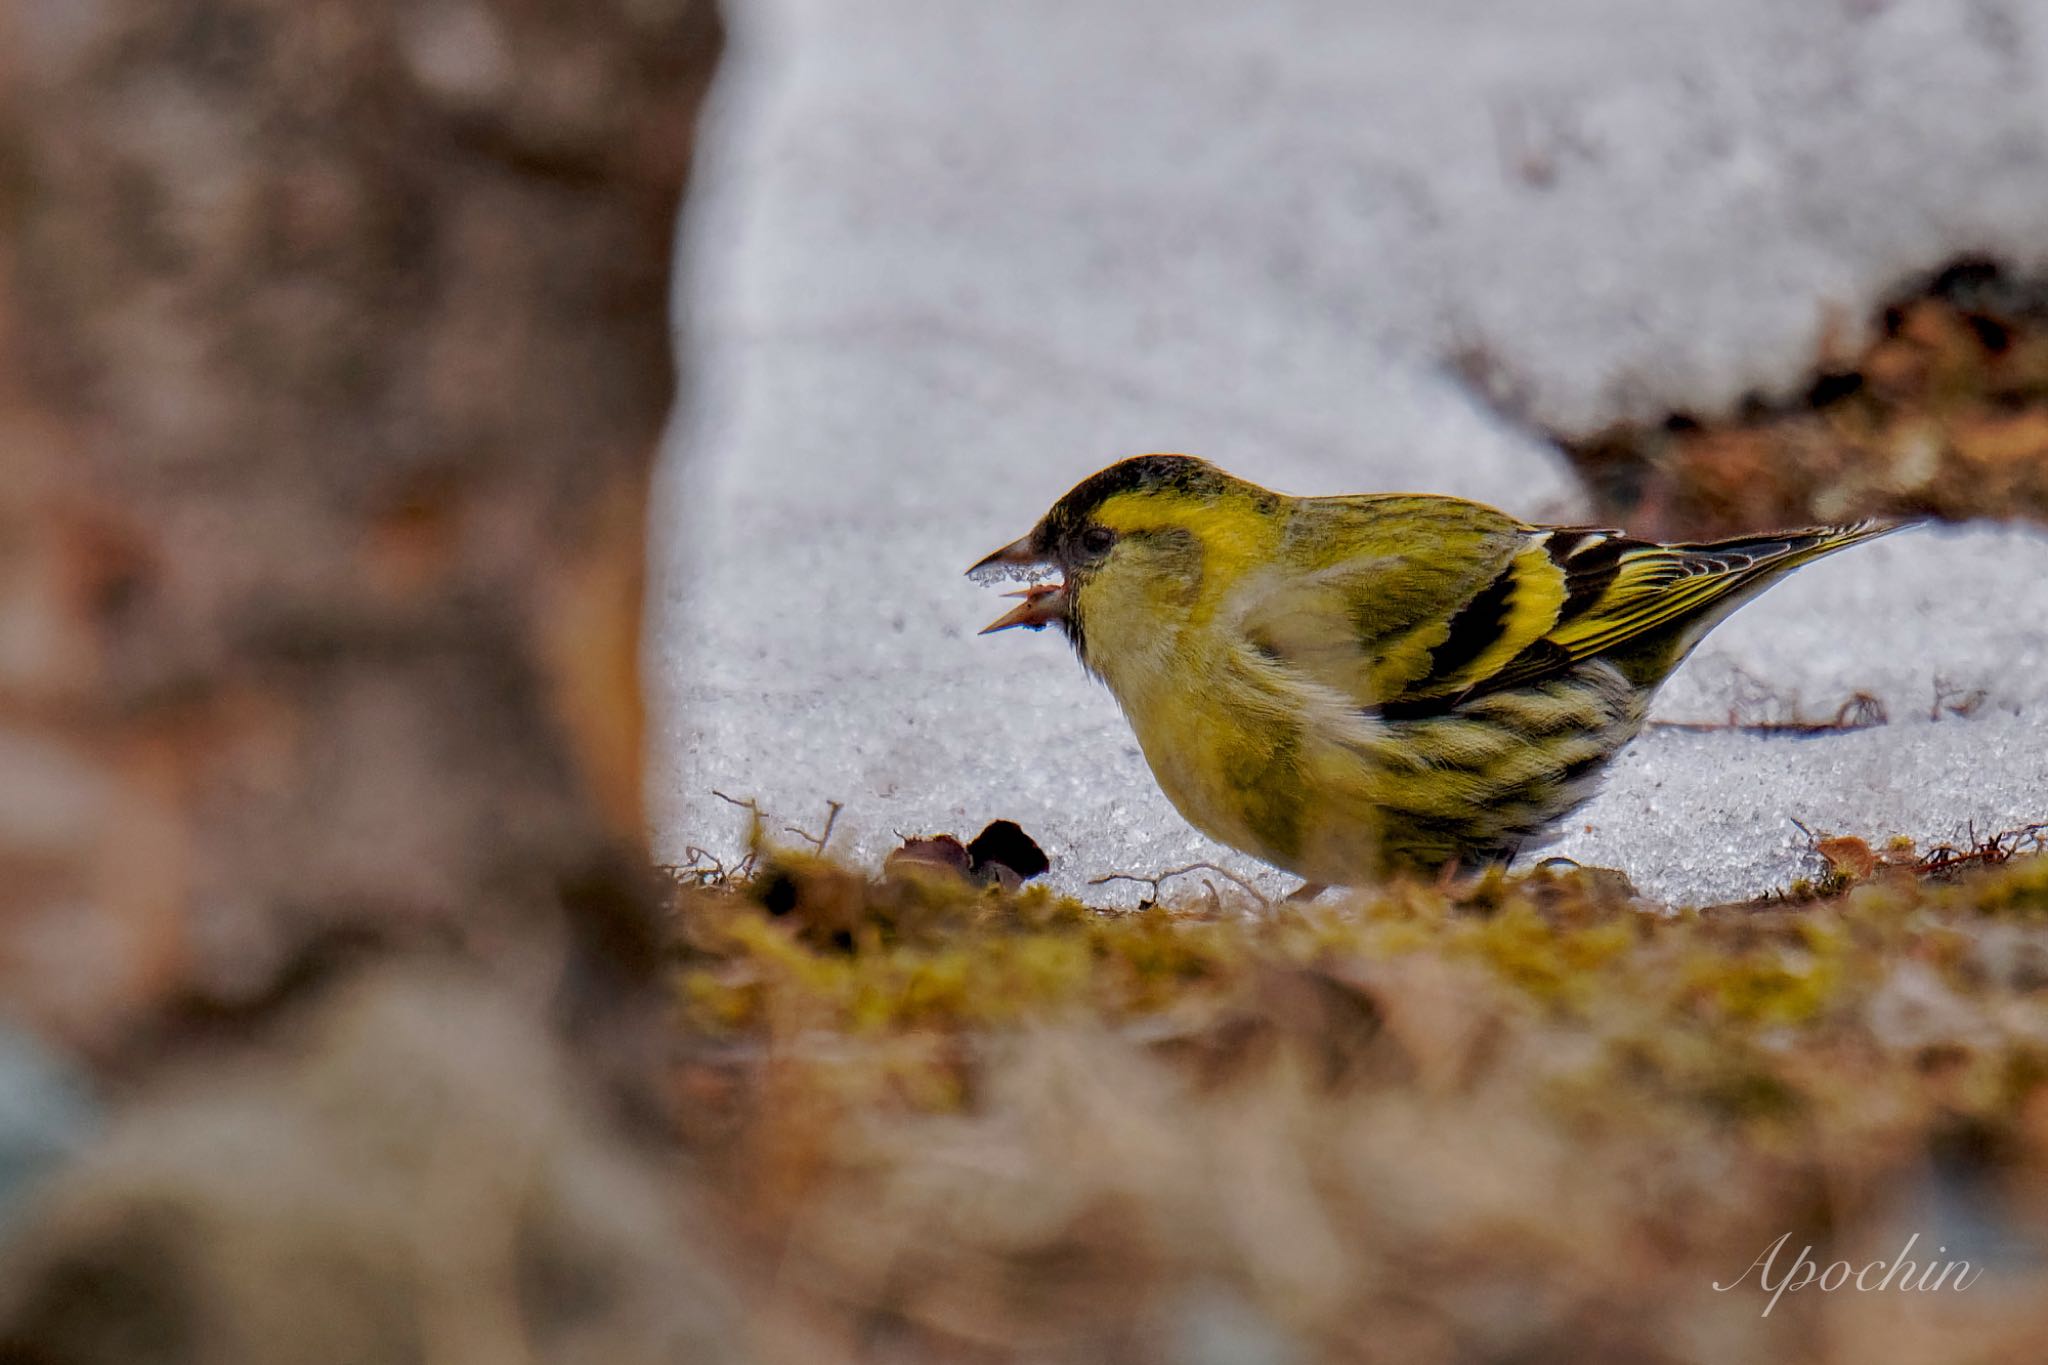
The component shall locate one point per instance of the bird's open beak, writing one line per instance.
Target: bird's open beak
(1021, 553)
(1043, 603)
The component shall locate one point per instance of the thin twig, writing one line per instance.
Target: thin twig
(1961, 702)
(703, 868)
(1155, 882)
(1861, 711)
(1991, 851)
(818, 841)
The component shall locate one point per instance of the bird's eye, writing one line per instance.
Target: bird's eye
(1096, 540)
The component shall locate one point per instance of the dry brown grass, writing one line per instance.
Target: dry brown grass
(1534, 1123)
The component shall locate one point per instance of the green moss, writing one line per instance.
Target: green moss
(2018, 888)
(1745, 1015)
(1551, 960)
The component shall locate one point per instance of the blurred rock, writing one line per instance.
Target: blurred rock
(333, 353)
(412, 1174)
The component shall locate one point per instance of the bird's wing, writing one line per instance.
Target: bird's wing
(1397, 599)
(1433, 600)
(1624, 592)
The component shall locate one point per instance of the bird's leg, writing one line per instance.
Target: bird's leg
(1308, 891)
(1464, 880)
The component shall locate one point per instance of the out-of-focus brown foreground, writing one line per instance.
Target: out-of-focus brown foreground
(335, 356)
(333, 360)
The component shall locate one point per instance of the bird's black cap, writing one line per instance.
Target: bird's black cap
(1140, 473)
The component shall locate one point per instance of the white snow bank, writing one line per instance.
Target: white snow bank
(945, 259)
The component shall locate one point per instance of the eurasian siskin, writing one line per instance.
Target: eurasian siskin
(1348, 687)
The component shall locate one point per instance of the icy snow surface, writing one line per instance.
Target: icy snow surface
(946, 258)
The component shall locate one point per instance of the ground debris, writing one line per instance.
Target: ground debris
(1991, 850)
(1004, 848)
(1157, 881)
(1762, 709)
(1943, 411)
(1023, 1120)
(1001, 855)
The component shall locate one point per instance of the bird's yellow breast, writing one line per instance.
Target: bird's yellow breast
(1225, 749)
(1252, 754)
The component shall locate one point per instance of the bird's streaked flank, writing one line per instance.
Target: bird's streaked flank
(1349, 687)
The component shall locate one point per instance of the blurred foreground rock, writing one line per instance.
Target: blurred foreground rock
(333, 355)
(412, 1175)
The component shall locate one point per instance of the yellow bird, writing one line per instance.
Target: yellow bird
(1351, 687)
